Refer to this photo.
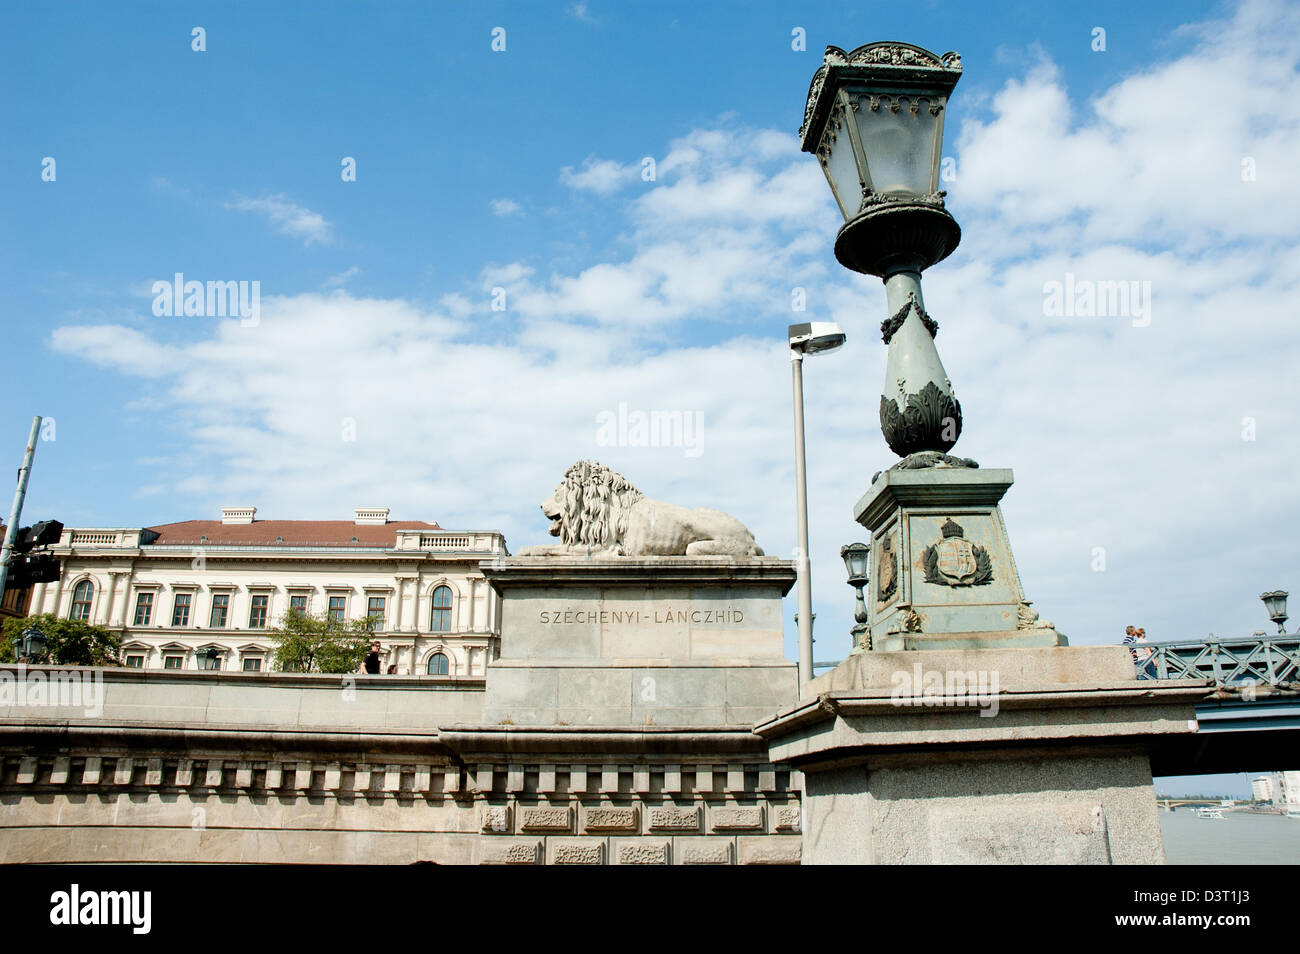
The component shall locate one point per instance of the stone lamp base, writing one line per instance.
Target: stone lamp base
(1016, 756)
(942, 575)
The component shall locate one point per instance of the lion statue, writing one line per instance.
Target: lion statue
(596, 511)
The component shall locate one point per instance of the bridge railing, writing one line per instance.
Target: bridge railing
(1254, 660)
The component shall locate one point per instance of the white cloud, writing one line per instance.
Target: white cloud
(288, 218)
(343, 277)
(115, 346)
(579, 12)
(1124, 438)
(506, 207)
(602, 176)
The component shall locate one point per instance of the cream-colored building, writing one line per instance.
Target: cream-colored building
(180, 589)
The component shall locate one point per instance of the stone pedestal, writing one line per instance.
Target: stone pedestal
(1026, 756)
(942, 573)
(677, 641)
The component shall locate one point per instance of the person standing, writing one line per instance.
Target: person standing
(1135, 638)
(370, 665)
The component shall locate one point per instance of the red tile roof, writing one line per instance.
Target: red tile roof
(294, 533)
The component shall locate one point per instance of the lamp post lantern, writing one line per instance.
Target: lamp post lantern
(874, 119)
(1275, 604)
(208, 659)
(809, 337)
(856, 557)
(31, 644)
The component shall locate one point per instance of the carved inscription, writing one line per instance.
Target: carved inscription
(665, 614)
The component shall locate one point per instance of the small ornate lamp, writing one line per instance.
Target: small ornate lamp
(208, 659)
(856, 557)
(1275, 604)
(874, 119)
(31, 645)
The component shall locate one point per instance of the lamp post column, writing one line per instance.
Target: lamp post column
(802, 564)
(15, 514)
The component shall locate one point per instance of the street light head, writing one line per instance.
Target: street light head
(1275, 604)
(815, 337)
(874, 117)
(855, 557)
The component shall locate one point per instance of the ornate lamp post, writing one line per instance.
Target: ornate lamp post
(856, 557)
(208, 659)
(874, 119)
(31, 644)
(1275, 604)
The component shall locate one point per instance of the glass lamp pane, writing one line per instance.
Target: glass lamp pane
(842, 166)
(898, 144)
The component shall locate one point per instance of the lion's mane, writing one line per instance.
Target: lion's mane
(594, 504)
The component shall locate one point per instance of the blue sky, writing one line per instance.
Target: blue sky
(521, 170)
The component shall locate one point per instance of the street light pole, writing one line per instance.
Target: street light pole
(16, 513)
(809, 337)
(803, 565)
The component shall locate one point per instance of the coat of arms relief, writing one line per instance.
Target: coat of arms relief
(886, 569)
(955, 561)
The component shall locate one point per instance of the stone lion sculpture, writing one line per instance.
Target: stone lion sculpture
(597, 511)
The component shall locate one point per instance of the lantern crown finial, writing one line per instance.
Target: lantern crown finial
(888, 62)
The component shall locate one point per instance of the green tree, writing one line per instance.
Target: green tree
(68, 642)
(307, 643)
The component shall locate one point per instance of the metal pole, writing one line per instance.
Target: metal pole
(801, 505)
(15, 514)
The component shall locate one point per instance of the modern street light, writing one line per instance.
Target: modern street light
(856, 557)
(874, 119)
(809, 337)
(31, 644)
(1275, 604)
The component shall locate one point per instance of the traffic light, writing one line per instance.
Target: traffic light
(43, 534)
(26, 570)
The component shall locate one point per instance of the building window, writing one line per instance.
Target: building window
(143, 609)
(438, 665)
(81, 599)
(135, 661)
(375, 611)
(181, 610)
(173, 662)
(298, 603)
(257, 611)
(220, 610)
(337, 606)
(252, 664)
(441, 619)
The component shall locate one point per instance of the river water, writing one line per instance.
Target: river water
(1239, 838)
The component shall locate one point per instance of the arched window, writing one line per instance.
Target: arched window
(438, 664)
(441, 618)
(81, 598)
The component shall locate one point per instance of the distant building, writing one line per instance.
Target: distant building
(1261, 788)
(178, 588)
(1286, 788)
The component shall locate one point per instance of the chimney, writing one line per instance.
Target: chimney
(371, 516)
(237, 514)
